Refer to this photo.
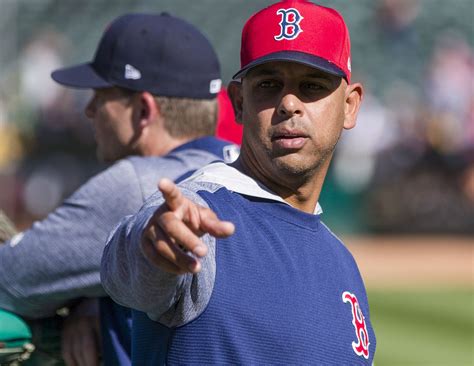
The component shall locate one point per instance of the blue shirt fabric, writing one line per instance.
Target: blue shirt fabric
(278, 291)
(115, 326)
(277, 296)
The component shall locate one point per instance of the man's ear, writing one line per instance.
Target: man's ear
(353, 99)
(234, 89)
(147, 109)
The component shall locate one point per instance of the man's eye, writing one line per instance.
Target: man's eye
(313, 86)
(267, 84)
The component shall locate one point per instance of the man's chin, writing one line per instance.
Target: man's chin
(296, 165)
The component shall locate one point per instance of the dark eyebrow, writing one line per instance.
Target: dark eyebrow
(319, 75)
(316, 74)
(269, 71)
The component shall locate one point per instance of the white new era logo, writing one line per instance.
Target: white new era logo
(215, 86)
(132, 73)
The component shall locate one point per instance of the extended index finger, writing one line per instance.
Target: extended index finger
(171, 193)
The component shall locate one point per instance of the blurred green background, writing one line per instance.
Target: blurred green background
(423, 327)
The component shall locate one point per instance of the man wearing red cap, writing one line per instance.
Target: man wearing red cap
(267, 282)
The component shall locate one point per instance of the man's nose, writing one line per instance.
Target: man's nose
(290, 105)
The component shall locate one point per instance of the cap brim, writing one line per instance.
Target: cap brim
(80, 76)
(293, 56)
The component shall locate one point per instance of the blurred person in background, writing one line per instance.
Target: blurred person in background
(11, 153)
(58, 145)
(450, 100)
(423, 182)
(11, 149)
(396, 22)
(156, 79)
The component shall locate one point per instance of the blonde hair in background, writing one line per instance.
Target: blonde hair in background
(190, 118)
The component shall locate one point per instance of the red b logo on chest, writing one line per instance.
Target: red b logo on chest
(361, 347)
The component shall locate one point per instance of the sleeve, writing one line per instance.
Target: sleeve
(132, 281)
(58, 259)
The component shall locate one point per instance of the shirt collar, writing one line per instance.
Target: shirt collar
(234, 180)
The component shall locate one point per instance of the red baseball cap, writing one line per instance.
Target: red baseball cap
(297, 31)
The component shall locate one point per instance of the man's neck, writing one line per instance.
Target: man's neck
(298, 191)
(161, 146)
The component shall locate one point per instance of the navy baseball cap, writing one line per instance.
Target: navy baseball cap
(161, 54)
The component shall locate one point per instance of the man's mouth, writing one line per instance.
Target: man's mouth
(289, 139)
